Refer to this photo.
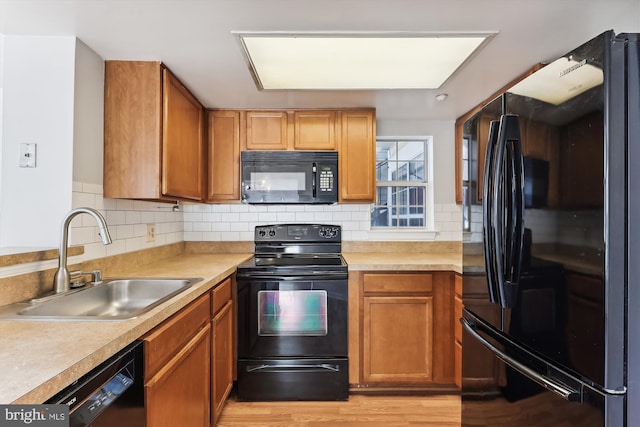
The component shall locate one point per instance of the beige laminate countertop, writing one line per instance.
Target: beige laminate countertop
(40, 358)
(408, 261)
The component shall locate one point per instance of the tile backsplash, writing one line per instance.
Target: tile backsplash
(237, 222)
(128, 219)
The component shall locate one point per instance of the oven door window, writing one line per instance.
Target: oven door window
(292, 313)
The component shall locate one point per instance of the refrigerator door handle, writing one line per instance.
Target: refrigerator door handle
(517, 203)
(550, 384)
(487, 213)
(498, 214)
(508, 208)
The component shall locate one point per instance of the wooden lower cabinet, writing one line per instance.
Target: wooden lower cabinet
(222, 361)
(189, 362)
(179, 393)
(406, 329)
(398, 339)
(177, 358)
(458, 329)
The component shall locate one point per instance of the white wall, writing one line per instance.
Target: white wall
(88, 120)
(38, 83)
(1, 104)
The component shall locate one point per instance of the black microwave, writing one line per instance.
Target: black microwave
(284, 177)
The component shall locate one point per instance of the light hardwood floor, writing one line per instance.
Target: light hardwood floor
(358, 411)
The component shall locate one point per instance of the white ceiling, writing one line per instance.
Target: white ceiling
(193, 38)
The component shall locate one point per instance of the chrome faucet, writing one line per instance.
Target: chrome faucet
(62, 277)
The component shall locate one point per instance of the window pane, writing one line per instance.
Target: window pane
(380, 217)
(410, 150)
(385, 150)
(403, 172)
(382, 171)
(385, 196)
(416, 171)
(416, 222)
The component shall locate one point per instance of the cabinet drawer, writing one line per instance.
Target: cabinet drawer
(221, 294)
(403, 283)
(171, 336)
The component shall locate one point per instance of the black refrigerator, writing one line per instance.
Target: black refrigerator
(551, 256)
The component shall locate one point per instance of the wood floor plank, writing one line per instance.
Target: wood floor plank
(358, 411)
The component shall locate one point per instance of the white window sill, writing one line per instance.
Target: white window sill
(411, 234)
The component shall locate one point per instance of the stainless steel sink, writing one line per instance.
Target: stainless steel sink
(112, 299)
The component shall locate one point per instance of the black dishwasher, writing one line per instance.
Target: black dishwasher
(111, 394)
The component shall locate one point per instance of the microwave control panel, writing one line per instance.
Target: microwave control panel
(326, 180)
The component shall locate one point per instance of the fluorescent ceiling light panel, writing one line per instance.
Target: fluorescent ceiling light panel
(560, 81)
(356, 61)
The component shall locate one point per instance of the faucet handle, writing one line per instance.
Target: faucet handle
(96, 277)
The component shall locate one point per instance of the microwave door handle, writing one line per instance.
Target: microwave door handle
(314, 178)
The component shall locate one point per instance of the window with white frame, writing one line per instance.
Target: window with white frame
(403, 184)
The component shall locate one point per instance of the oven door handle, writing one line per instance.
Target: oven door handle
(291, 367)
(308, 276)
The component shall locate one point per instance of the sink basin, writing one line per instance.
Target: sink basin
(112, 299)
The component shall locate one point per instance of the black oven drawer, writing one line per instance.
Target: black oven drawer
(293, 379)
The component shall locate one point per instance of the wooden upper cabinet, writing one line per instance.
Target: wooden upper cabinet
(357, 156)
(153, 134)
(266, 130)
(224, 156)
(183, 141)
(314, 130)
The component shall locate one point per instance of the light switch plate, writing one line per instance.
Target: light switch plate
(27, 155)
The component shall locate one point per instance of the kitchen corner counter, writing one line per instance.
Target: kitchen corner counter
(403, 261)
(40, 358)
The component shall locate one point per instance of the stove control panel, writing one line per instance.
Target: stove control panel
(298, 233)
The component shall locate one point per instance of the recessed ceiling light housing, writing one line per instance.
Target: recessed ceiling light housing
(354, 61)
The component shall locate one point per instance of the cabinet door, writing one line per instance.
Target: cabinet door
(314, 130)
(224, 156)
(183, 141)
(397, 335)
(178, 395)
(132, 129)
(222, 361)
(266, 130)
(357, 156)
(458, 330)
